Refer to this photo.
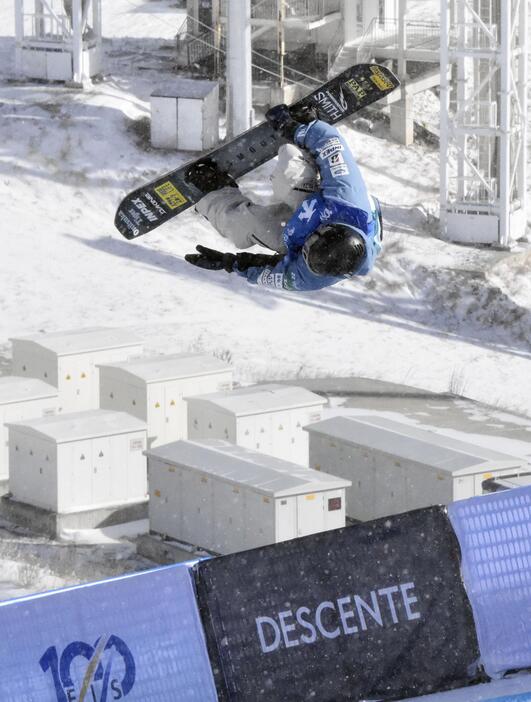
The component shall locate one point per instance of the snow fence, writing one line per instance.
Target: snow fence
(373, 611)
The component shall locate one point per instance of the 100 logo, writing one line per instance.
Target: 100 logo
(108, 674)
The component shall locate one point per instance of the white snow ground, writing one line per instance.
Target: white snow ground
(433, 315)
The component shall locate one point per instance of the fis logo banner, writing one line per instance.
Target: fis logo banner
(109, 641)
(82, 672)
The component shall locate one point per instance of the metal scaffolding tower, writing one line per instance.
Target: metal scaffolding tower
(483, 120)
(58, 39)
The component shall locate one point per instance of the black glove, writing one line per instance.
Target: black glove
(285, 120)
(245, 260)
(279, 117)
(304, 113)
(212, 260)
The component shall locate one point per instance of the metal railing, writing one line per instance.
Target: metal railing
(265, 9)
(472, 35)
(268, 9)
(46, 26)
(474, 189)
(423, 35)
(311, 8)
(197, 41)
(385, 34)
(199, 48)
(365, 47)
(481, 114)
(335, 46)
(201, 43)
(187, 27)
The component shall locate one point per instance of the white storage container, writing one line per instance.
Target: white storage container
(226, 498)
(396, 467)
(153, 389)
(68, 361)
(22, 398)
(185, 115)
(265, 418)
(80, 461)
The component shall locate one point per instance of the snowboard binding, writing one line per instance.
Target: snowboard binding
(207, 177)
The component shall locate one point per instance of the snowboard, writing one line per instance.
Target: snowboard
(158, 201)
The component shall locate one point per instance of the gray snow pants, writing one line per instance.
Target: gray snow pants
(241, 221)
(246, 224)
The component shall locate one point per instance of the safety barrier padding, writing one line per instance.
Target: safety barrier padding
(138, 637)
(373, 611)
(515, 688)
(524, 697)
(494, 532)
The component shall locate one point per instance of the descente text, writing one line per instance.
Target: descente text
(344, 616)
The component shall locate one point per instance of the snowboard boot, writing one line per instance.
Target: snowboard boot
(207, 177)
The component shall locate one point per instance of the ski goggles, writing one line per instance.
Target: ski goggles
(377, 213)
(306, 249)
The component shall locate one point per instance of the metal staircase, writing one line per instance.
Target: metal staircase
(300, 11)
(381, 42)
(201, 48)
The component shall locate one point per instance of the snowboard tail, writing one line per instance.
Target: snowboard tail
(155, 203)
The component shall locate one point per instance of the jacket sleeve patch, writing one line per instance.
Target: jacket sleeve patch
(269, 279)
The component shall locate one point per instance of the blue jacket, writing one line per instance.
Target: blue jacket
(342, 199)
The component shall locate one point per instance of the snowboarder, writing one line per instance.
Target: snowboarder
(335, 231)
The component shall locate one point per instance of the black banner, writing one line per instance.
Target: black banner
(376, 611)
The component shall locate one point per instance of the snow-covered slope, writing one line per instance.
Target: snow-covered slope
(433, 314)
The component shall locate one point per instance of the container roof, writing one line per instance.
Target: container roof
(185, 88)
(260, 398)
(410, 443)
(435, 437)
(79, 425)
(16, 389)
(160, 368)
(238, 465)
(82, 340)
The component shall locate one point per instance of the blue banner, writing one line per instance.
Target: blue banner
(134, 638)
(494, 532)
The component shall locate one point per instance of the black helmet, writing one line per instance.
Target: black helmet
(334, 249)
